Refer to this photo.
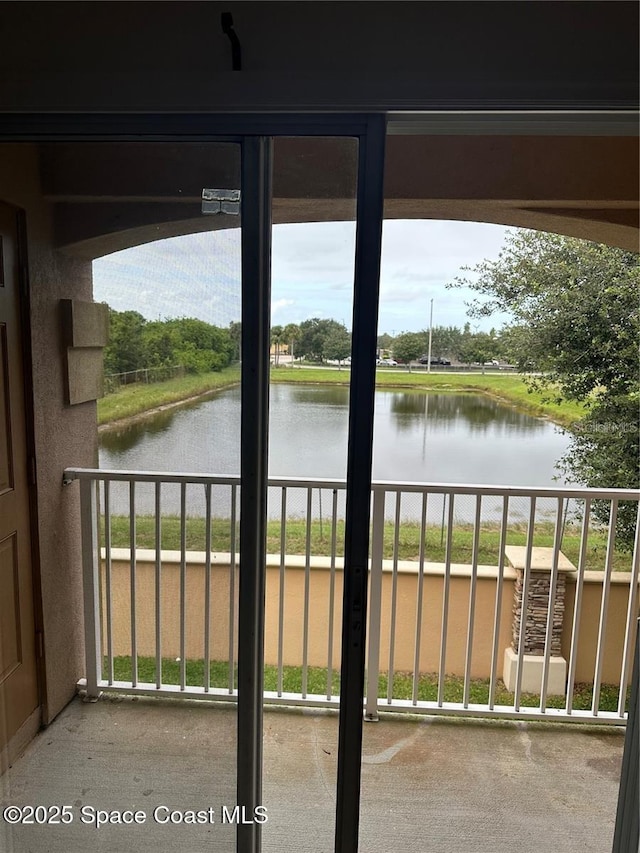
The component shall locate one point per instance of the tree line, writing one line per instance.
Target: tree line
(320, 340)
(136, 343)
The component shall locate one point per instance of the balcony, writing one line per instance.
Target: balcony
(484, 601)
(479, 597)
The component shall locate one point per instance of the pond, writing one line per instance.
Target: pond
(452, 438)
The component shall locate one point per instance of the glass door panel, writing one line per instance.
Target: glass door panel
(313, 252)
(176, 611)
(158, 227)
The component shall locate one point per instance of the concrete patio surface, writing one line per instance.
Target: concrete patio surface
(428, 784)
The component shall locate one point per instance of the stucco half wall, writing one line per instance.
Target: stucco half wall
(320, 581)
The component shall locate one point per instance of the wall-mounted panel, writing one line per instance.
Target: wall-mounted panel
(86, 323)
(86, 332)
(85, 369)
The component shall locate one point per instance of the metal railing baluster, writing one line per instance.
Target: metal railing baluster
(91, 585)
(577, 606)
(108, 569)
(418, 634)
(602, 625)
(158, 602)
(183, 585)
(498, 608)
(332, 591)
(283, 557)
(472, 602)
(524, 604)
(446, 586)
(632, 621)
(232, 591)
(553, 585)
(307, 585)
(133, 582)
(394, 599)
(375, 604)
(207, 587)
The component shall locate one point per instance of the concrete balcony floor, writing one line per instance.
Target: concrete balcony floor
(429, 784)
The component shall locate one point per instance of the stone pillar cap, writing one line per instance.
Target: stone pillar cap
(541, 559)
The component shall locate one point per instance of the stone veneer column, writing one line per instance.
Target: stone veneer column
(535, 626)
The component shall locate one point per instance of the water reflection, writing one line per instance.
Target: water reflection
(446, 410)
(456, 438)
(123, 438)
(317, 396)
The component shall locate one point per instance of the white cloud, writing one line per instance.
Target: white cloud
(312, 273)
(279, 304)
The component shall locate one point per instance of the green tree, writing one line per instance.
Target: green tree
(136, 344)
(478, 348)
(408, 347)
(515, 346)
(337, 344)
(313, 334)
(199, 346)
(235, 334)
(385, 341)
(125, 350)
(277, 339)
(158, 345)
(292, 337)
(445, 341)
(576, 306)
(579, 304)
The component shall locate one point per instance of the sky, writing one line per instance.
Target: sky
(198, 275)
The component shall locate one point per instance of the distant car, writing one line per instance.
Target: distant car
(434, 360)
(390, 362)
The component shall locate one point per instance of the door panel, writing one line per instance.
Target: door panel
(18, 673)
(6, 474)
(313, 269)
(10, 644)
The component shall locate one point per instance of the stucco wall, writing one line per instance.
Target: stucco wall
(615, 626)
(64, 435)
(319, 597)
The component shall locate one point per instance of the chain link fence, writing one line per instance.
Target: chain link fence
(114, 381)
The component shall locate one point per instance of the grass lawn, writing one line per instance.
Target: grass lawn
(409, 540)
(131, 400)
(402, 683)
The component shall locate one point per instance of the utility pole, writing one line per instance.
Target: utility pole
(430, 334)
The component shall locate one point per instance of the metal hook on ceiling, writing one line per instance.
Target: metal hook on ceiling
(226, 19)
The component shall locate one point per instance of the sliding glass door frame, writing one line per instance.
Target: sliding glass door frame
(254, 132)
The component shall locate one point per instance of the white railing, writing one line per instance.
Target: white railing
(439, 615)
